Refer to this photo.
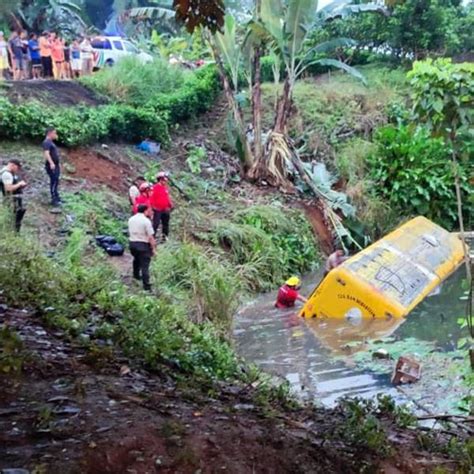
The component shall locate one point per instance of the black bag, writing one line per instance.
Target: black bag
(115, 250)
(105, 240)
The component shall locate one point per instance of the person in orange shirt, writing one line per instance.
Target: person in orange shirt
(57, 53)
(45, 53)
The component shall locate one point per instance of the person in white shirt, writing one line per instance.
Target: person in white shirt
(12, 190)
(142, 244)
(134, 190)
(87, 57)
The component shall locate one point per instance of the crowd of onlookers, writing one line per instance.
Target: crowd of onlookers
(47, 56)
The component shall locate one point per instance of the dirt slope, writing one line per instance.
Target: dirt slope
(63, 93)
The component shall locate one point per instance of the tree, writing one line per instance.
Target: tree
(281, 29)
(443, 99)
(417, 27)
(37, 15)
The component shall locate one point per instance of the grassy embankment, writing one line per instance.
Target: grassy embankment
(222, 248)
(228, 240)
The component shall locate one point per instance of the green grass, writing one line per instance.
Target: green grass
(132, 81)
(98, 213)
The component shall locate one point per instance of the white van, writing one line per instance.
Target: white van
(109, 49)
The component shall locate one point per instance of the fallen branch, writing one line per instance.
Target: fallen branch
(467, 419)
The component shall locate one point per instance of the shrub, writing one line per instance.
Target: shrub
(77, 287)
(196, 95)
(85, 125)
(91, 215)
(80, 125)
(264, 242)
(413, 172)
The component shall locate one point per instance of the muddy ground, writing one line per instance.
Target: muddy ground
(78, 410)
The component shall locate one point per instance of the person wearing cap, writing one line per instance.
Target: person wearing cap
(161, 204)
(142, 244)
(143, 197)
(52, 164)
(288, 294)
(12, 190)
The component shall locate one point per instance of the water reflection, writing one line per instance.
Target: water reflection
(303, 351)
(347, 337)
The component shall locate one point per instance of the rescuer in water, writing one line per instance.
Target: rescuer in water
(289, 293)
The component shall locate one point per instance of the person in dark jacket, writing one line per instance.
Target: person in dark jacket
(52, 164)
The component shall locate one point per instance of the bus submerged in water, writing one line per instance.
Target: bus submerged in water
(390, 277)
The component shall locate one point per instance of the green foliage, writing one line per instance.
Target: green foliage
(196, 95)
(268, 243)
(11, 351)
(80, 125)
(95, 212)
(78, 287)
(190, 47)
(195, 158)
(132, 81)
(418, 27)
(85, 125)
(153, 330)
(443, 96)
(412, 171)
(413, 29)
(209, 286)
(362, 426)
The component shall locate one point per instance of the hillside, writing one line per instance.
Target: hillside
(99, 377)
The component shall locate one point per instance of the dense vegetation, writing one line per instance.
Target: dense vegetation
(129, 119)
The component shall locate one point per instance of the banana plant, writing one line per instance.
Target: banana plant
(62, 15)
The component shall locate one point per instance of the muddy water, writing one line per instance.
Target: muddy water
(308, 352)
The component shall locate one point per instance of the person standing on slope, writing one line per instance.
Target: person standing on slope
(161, 204)
(143, 198)
(12, 190)
(52, 164)
(142, 244)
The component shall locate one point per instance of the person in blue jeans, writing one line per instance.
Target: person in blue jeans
(52, 164)
(34, 49)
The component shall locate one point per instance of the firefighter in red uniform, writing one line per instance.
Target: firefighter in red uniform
(288, 294)
(143, 198)
(161, 204)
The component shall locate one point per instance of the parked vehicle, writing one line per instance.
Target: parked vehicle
(109, 49)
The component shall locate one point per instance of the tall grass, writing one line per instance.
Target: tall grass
(268, 244)
(96, 213)
(78, 288)
(207, 285)
(132, 81)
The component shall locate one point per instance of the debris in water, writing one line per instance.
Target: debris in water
(407, 370)
(380, 354)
